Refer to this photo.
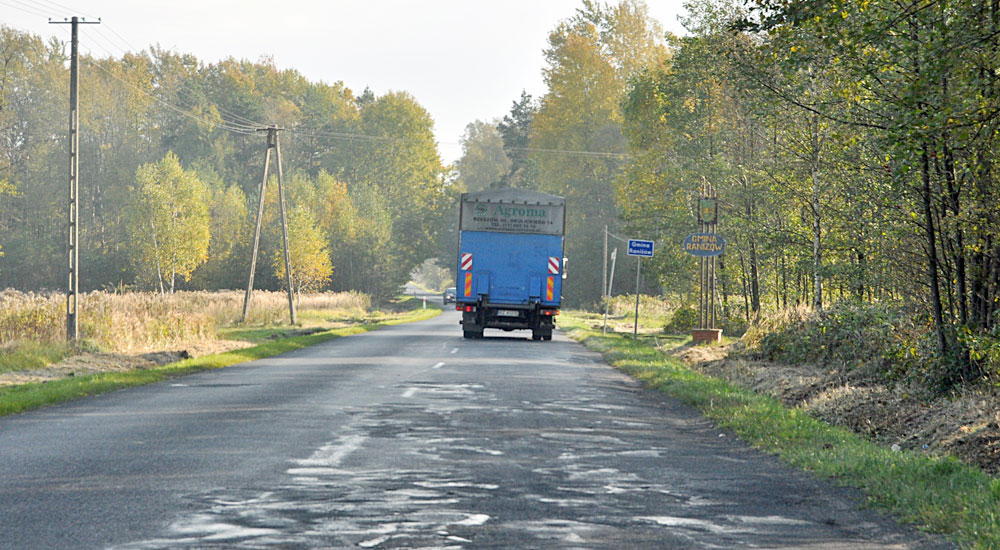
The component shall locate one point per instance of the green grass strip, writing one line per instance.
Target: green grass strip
(939, 494)
(25, 397)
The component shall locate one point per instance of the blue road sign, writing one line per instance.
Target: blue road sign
(640, 248)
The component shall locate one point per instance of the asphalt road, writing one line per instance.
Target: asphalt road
(410, 437)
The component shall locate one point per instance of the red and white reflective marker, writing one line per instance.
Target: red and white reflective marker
(466, 261)
(553, 265)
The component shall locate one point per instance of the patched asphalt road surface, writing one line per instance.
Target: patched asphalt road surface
(410, 437)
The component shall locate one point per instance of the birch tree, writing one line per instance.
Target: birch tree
(168, 222)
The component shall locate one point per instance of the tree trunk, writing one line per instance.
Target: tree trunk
(817, 258)
(156, 253)
(954, 202)
(754, 281)
(932, 256)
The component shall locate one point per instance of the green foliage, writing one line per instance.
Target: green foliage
(852, 152)
(683, 319)
(624, 304)
(310, 257)
(33, 355)
(984, 350)
(899, 344)
(208, 130)
(589, 60)
(168, 222)
(848, 335)
(515, 128)
(483, 163)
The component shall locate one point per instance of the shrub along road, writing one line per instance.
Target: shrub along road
(412, 437)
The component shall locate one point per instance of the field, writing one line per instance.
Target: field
(125, 331)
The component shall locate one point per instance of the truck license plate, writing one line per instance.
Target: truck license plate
(508, 313)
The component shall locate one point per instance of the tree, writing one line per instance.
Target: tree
(168, 222)
(396, 172)
(308, 250)
(366, 167)
(33, 88)
(483, 163)
(228, 248)
(515, 129)
(588, 63)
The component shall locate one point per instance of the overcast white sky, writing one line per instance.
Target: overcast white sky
(461, 59)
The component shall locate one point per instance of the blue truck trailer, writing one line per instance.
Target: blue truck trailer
(510, 261)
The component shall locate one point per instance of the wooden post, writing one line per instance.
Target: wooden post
(256, 235)
(284, 226)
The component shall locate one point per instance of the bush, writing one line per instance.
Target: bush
(846, 335)
(683, 319)
(734, 325)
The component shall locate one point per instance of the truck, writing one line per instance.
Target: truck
(510, 261)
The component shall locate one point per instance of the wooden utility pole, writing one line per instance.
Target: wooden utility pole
(73, 214)
(272, 143)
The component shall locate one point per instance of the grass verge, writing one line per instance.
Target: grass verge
(33, 355)
(21, 398)
(939, 494)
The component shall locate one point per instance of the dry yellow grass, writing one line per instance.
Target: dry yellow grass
(143, 321)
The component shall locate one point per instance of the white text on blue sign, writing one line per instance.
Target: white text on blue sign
(640, 248)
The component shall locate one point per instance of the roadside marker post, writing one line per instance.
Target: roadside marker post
(607, 297)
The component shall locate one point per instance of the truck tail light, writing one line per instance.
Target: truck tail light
(467, 309)
(550, 312)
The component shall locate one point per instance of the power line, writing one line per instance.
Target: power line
(238, 120)
(182, 110)
(238, 129)
(590, 154)
(189, 101)
(243, 125)
(26, 8)
(122, 38)
(344, 136)
(61, 8)
(347, 136)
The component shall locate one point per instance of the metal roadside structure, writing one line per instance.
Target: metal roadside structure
(640, 249)
(706, 244)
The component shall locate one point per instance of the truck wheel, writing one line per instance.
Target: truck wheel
(547, 337)
(468, 334)
(536, 336)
